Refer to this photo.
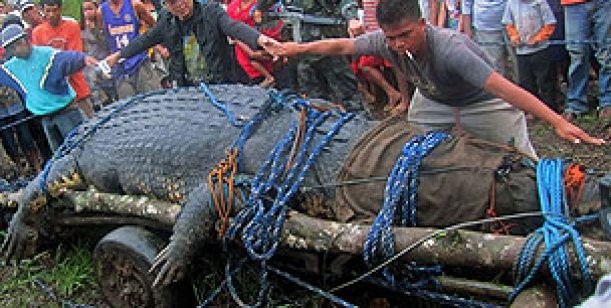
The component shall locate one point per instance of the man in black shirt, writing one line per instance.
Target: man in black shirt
(210, 25)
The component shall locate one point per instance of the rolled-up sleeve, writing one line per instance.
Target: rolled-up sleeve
(372, 43)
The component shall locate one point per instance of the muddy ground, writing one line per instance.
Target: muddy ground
(597, 158)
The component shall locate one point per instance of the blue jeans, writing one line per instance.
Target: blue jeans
(57, 125)
(588, 21)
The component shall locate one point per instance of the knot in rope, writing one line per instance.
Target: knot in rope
(401, 190)
(555, 233)
(259, 224)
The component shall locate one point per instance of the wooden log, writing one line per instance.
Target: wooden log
(138, 206)
(539, 296)
(457, 248)
(460, 248)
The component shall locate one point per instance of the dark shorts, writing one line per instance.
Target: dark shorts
(57, 125)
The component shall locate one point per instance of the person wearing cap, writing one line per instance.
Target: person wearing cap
(39, 74)
(210, 24)
(64, 34)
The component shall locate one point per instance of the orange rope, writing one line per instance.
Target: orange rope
(298, 140)
(224, 174)
(574, 182)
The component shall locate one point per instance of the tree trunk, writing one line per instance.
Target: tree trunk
(456, 248)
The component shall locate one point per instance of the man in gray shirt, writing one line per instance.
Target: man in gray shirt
(456, 83)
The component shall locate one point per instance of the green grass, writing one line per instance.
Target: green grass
(64, 273)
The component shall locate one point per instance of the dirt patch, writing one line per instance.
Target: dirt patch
(549, 145)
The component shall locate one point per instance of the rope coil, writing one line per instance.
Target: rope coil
(401, 192)
(259, 224)
(555, 233)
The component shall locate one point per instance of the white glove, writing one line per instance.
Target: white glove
(104, 69)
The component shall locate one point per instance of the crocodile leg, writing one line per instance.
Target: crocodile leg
(194, 226)
(25, 225)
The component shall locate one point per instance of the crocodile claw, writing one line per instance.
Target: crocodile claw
(170, 266)
(17, 241)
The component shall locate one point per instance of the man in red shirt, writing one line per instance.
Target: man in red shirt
(64, 34)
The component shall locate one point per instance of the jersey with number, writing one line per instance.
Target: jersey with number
(121, 29)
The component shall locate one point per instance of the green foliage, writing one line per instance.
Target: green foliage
(66, 273)
(71, 8)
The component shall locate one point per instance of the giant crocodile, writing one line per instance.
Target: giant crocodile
(164, 144)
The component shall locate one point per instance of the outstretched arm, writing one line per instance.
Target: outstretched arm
(522, 99)
(64, 64)
(339, 46)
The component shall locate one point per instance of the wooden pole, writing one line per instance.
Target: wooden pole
(457, 248)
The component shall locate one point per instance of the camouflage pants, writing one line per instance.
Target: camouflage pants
(328, 78)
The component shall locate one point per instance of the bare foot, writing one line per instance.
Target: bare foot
(399, 109)
(268, 82)
(393, 100)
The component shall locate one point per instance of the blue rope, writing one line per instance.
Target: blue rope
(220, 106)
(401, 189)
(432, 296)
(555, 233)
(275, 103)
(259, 224)
(337, 300)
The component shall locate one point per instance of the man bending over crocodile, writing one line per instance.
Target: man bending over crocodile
(455, 80)
(165, 144)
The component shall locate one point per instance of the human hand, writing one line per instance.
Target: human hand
(112, 59)
(574, 134)
(269, 44)
(163, 52)
(468, 32)
(355, 28)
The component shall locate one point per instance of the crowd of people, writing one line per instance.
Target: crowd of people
(58, 71)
